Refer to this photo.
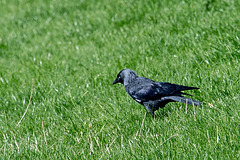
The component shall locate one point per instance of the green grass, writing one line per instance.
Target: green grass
(71, 51)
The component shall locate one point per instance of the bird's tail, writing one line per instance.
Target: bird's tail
(184, 100)
(183, 88)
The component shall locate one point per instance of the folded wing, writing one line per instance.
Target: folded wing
(156, 90)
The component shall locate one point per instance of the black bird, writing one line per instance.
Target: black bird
(153, 95)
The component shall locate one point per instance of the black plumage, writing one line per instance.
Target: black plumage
(153, 95)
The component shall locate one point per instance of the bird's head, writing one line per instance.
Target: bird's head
(125, 76)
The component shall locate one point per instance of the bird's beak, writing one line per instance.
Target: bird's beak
(115, 81)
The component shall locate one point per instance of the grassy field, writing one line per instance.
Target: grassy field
(59, 58)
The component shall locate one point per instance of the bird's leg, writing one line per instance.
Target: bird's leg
(153, 115)
(149, 108)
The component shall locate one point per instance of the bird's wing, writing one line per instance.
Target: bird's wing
(174, 88)
(155, 90)
(149, 90)
(143, 93)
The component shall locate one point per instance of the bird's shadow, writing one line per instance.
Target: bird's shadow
(166, 111)
(162, 113)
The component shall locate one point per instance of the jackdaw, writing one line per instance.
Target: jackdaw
(153, 95)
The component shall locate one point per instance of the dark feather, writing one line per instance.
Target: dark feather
(153, 95)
